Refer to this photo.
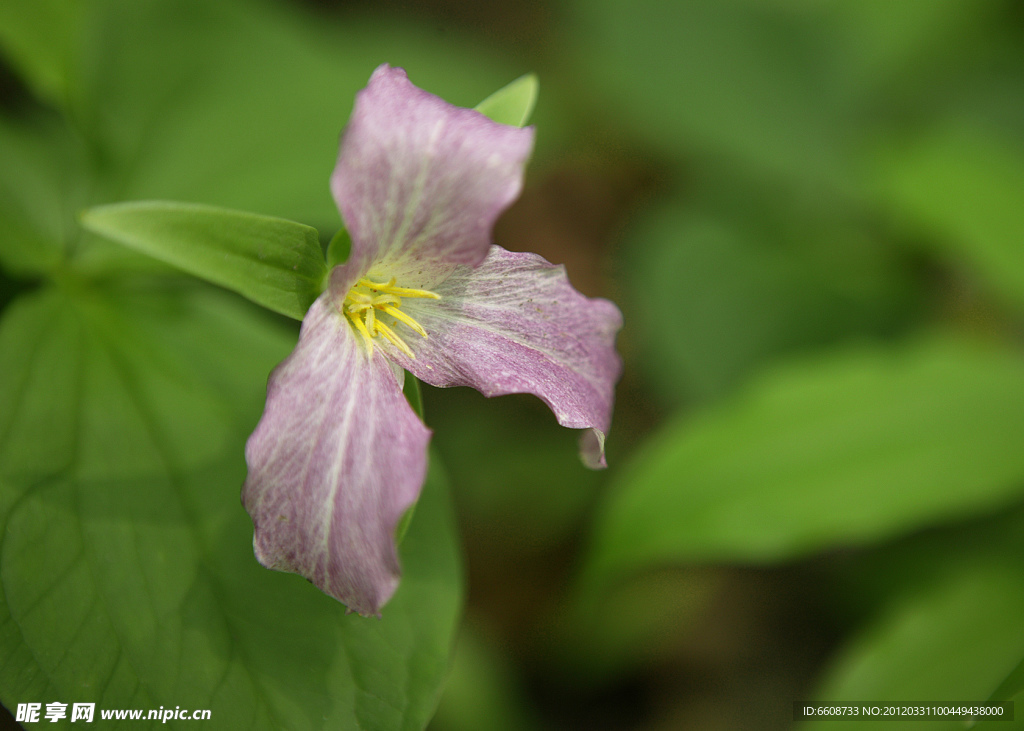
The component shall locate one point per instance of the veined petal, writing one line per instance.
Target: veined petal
(335, 461)
(420, 182)
(514, 324)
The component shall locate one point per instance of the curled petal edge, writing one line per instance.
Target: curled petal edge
(514, 324)
(592, 449)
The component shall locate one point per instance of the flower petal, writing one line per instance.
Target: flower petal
(335, 461)
(514, 324)
(420, 182)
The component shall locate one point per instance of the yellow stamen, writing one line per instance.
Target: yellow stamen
(387, 299)
(389, 287)
(363, 331)
(374, 285)
(359, 298)
(366, 297)
(399, 315)
(406, 292)
(390, 335)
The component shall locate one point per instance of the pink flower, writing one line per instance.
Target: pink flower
(339, 455)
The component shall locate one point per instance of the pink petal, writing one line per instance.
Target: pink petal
(420, 182)
(335, 461)
(514, 324)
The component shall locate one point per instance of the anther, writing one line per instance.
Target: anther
(399, 315)
(388, 333)
(367, 296)
(363, 331)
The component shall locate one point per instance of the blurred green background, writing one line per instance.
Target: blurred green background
(812, 216)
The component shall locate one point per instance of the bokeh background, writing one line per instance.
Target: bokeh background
(811, 213)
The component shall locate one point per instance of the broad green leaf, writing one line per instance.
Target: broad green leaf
(247, 115)
(750, 281)
(481, 691)
(512, 104)
(40, 39)
(274, 262)
(40, 363)
(238, 116)
(844, 449)
(742, 79)
(964, 188)
(902, 47)
(950, 643)
(126, 566)
(1011, 689)
(40, 180)
(1012, 685)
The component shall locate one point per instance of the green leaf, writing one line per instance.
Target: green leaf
(274, 262)
(40, 344)
(845, 449)
(751, 280)
(236, 118)
(952, 642)
(888, 48)
(413, 394)
(1011, 686)
(247, 114)
(963, 187)
(40, 38)
(38, 186)
(512, 104)
(126, 567)
(411, 389)
(738, 79)
(339, 248)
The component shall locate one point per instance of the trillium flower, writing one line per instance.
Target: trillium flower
(339, 455)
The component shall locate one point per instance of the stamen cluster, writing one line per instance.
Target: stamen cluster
(367, 299)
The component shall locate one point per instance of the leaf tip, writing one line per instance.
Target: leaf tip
(513, 103)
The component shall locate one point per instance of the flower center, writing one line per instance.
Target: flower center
(367, 300)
